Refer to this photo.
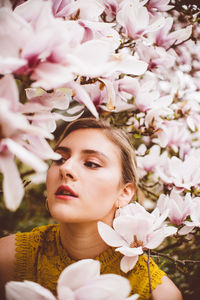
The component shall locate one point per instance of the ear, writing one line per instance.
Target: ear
(126, 194)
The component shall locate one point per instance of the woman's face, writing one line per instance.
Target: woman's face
(85, 184)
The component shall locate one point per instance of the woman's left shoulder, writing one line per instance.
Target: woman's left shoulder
(167, 290)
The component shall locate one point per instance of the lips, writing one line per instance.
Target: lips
(65, 191)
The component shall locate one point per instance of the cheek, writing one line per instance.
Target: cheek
(106, 183)
(50, 179)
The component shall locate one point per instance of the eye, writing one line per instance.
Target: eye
(60, 161)
(92, 165)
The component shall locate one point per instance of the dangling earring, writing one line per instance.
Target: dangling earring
(117, 213)
(46, 205)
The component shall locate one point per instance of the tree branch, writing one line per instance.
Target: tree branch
(182, 262)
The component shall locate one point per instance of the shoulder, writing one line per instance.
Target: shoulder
(167, 290)
(7, 257)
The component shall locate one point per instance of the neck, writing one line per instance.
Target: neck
(81, 241)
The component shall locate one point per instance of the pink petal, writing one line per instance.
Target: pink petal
(181, 34)
(82, 96)
(185, 230)
(10, 64)
(81, 272)
(90, 58)
(96, 9)
(155, 239)
(128, 263)
(49, 75)
(27, 290)
(13, 193)
(9, 90)
(41, 100)
(41, 148)
(111, 237)
(25, 156)
(128, 226)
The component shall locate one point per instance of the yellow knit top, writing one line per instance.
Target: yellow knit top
(40, 257)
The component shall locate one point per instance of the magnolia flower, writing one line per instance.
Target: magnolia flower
(146, 96)
(79, 281)
(150, 161)
(179, 207)
(130, 238)
(40, 105)
(194, 215)
(173, 134)
(156, 57)
(166, 39)
(64, 8)
(159, 5)
(135, 18)
(181, 173)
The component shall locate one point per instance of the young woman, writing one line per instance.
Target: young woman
(95, 175)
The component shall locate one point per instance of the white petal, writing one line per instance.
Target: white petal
(133, 297)
(65, 293)
(12, 185)
(26, 156)
(128, 251)
(109, 236)
(108, 286)
(186, 230)
(128, 263)
(27, 290)
(156, 239)
(81, 272)
(82, 96)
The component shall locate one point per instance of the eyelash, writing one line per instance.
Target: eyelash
(60, 161)
(88, 164)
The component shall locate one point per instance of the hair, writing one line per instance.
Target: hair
(118, 136)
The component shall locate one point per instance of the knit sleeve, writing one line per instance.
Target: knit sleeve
(139, 278)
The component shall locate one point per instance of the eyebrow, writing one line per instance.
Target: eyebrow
(84, 151)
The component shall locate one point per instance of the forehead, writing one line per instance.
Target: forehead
(93, 139)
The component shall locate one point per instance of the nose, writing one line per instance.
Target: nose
(67, 170)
